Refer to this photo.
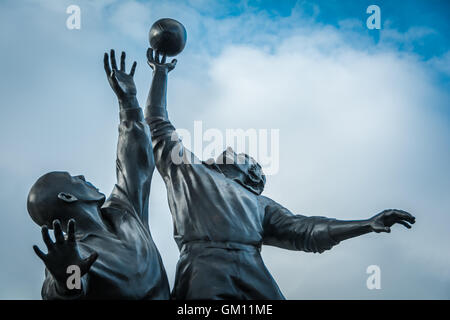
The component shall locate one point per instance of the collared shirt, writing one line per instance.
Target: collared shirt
(208, 206)
(129, 265)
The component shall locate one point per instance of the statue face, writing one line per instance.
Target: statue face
(74, 185)
(243, 169)
(82, 189)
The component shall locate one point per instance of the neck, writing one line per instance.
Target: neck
(88, 218)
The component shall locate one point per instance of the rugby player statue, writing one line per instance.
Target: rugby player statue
(111, 245)
(221, 219)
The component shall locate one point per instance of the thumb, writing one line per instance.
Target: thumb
(172, 65)
(89, 261)
(39, 253)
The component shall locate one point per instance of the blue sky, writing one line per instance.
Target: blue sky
(433, 14)
(363, 117)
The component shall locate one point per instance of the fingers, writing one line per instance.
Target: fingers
(71, 230)
(90, 260)
(59, 236)
(150, 60)
(400, 214)
(405, 216)
(150, 54)
(122, 61)
(133, 69)
(46, 237)
(114, 81)
(113, 59)
(39, 253)
(155, 58)
(404, 223)
(106, 65)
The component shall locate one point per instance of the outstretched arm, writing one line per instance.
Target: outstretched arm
(316, 234)
(156, 106)
(382, 222)
(135, 163)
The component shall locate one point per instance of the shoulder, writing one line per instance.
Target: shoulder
(117, 208)
(266, 201)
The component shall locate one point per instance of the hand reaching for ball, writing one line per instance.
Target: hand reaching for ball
(121, 82)
(157, 61)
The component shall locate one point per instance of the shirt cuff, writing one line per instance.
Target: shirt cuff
(156, 112)
(132, 114)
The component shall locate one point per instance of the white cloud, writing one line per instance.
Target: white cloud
(360, 131)
(441, 64)
(360, 128)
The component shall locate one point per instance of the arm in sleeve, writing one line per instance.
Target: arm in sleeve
(135, 162)
(168, 149)
(286, 230)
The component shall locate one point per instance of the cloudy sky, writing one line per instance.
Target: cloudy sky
(363, 118)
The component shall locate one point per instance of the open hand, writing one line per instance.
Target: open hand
(383, 221)
(63, 252)
(158, 62)
(121, 82)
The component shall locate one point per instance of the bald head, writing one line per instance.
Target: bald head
(55, 195)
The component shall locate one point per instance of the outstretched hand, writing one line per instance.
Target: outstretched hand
(63, 252)
(121, 82)
(157, 61)
(383, 221)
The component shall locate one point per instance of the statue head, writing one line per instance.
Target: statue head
(243, 169)
(58, 195)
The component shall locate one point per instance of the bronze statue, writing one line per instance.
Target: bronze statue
(122, 259)
(221, 220)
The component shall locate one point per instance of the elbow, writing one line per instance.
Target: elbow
(319, 239)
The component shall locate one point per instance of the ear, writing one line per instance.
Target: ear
(67, 197)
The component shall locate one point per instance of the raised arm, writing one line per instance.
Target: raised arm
(167, 147)
(284, 229)
(156, 106)
(135, 163)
